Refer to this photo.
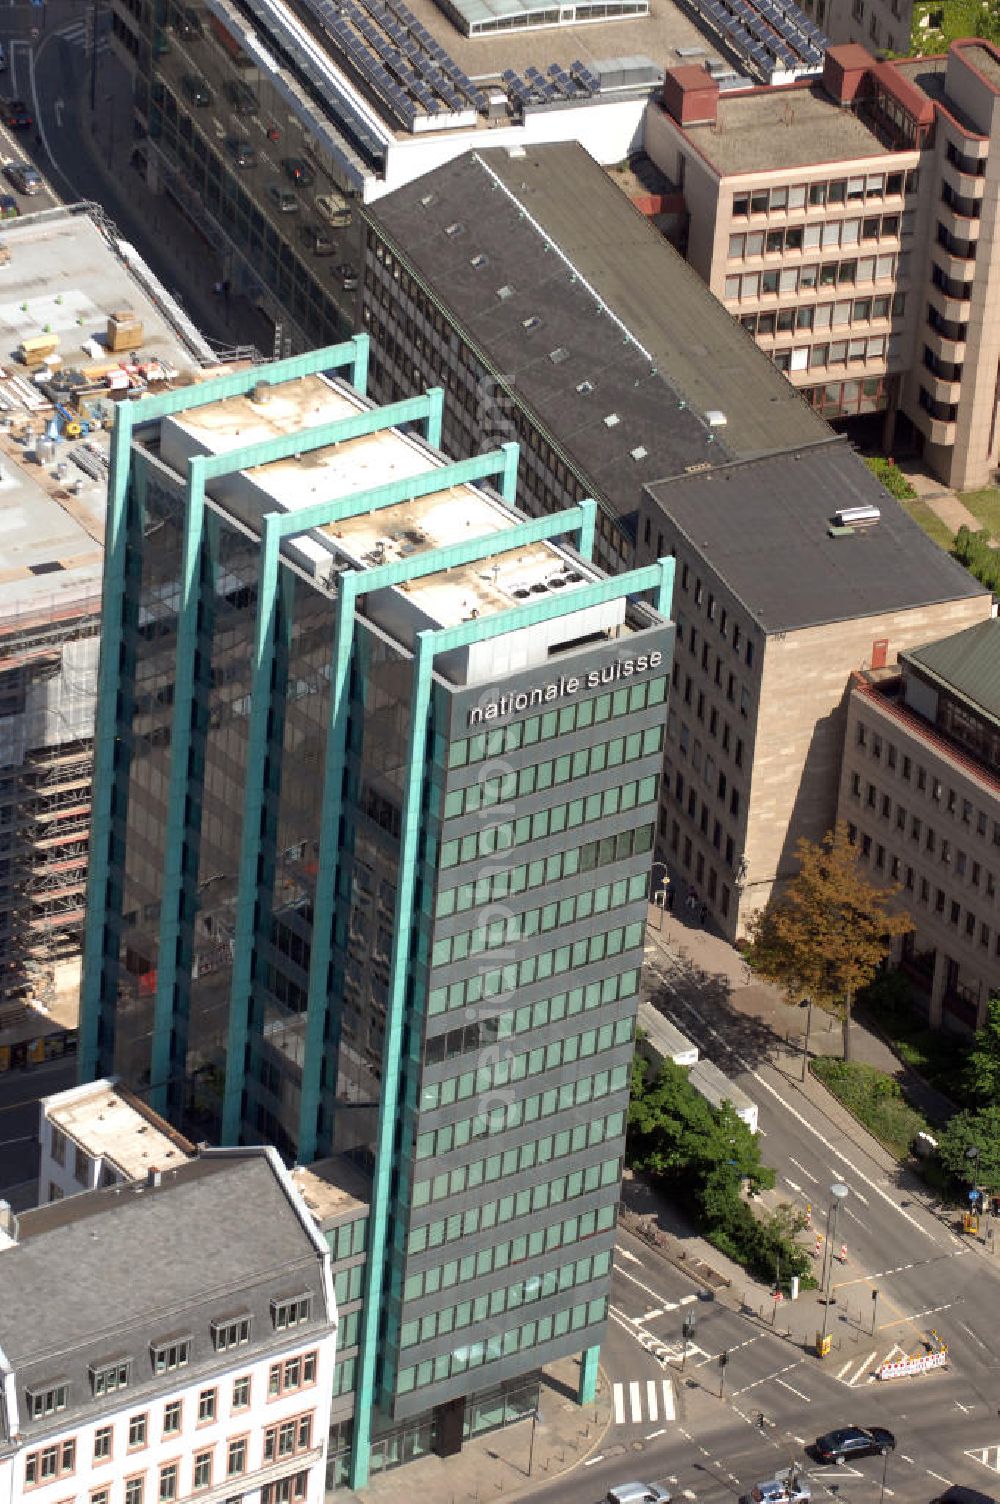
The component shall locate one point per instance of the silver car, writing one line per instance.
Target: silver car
(784, 1490)
(637, 1493)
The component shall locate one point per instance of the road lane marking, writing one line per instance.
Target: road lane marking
(841, 1371)
(793, 1390)
(930, 1474)
(984, 1454)
(654, 1434)
(619, 1405)
(686, 1300)
(647, 1289)
(905, 1458)
(810, 1128)
(648, 1315)
(635, 1400)
(668, 1400)
(591, 1461)
(626, 1253)
(974, 1335)
(807, 1173)
(651, 1404)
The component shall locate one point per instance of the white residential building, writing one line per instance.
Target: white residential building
(168, 1339)
(101, 1134)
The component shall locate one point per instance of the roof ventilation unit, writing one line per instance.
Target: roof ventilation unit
(716, 418)
(856, 516)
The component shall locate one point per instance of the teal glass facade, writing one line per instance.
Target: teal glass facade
(350, 898)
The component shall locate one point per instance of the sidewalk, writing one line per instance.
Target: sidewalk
(496, 1466)
(942, 500)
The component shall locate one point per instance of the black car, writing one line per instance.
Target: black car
(187, 22)
(854, 1441)
(24, 177)
(17, 116)
(317, 238)
(243, 153)
(959, 1494)
(197, 90)
(299, 171)
(241, 97)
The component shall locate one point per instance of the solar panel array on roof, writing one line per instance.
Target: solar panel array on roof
(396, 59)
(361, 145)
(768, 34)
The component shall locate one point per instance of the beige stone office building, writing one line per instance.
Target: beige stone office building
(849, 224)
(920, 793)
(776, 607)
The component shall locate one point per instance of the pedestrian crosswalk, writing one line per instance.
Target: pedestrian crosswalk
(862, 1367)
(79, 33)
(649, 1400)
(988, 1456)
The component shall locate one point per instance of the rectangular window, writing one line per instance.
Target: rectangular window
(168, 1356)
(241, 1392)
(102, 1443)
(136, 1432)
(230, 1334)
(134, 1490)
(287, 1313)
(206, 1406)
(172, 1418)
(168, 1482)
(110, 1377)
(236, 1461)
(42, 1402)
(202, 1470)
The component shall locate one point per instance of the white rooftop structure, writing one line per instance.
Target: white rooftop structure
(357, 465)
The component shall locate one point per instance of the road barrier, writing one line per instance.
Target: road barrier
(904, 1367)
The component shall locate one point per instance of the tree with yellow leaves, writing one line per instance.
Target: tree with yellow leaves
(827, 934)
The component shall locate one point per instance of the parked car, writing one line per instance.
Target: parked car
(283, 199)
(959, 1494)
(299, 171)
(783, 1490)
(637, 1493)
(17, 116)
(348, 276)
(24, 177)
(197, 90)
(333, 209)
(317, 238)
(241, 97)
(187, 22)
(854, 1441)
(242, 151)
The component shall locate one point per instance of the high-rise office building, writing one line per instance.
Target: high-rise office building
(376, 773)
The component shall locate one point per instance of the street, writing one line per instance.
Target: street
(20, 1091)
(668, 1425)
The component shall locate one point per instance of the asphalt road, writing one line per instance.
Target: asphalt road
(20, 1092)
(927, 1275)
(670, 1426)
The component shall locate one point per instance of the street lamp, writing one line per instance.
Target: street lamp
(687, 1330)
(658, 897)
(806, 1002)
(885, 1469)
(838, 1193)
(535, 1418)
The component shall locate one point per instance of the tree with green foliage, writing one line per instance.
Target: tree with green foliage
(829, 932)
(983, 1069)
(704, 1155)
(973, 1130)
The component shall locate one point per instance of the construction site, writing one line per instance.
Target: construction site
(83, 323)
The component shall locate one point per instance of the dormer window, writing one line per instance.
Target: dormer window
(42, 1402)
(106, 1378)
(289, 1313)
(230, 1334)
(168, 1356)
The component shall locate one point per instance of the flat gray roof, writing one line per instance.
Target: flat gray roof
(771, 129)
(610, 338)
(762, 526)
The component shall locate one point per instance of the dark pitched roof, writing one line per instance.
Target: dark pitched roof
(763, 528)
(101, 1276)
(634, 320)
(968, 663)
